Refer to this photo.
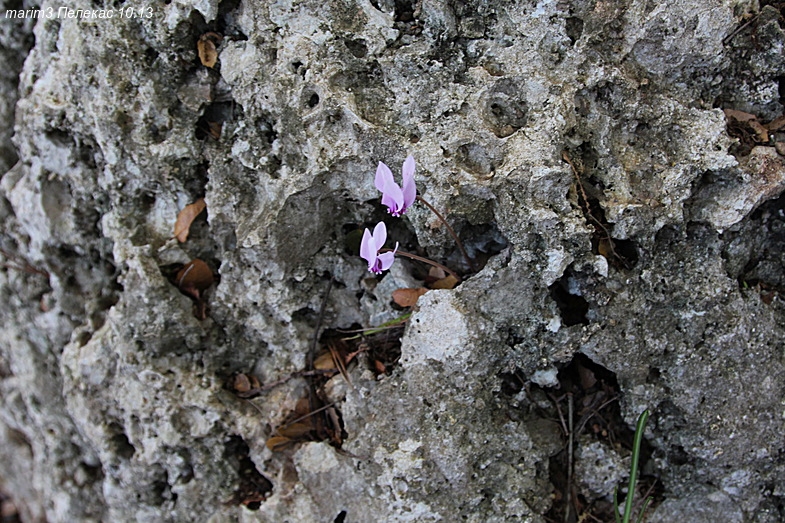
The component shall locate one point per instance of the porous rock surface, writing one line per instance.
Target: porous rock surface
(113, 401)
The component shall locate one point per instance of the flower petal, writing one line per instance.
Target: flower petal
(368, 248)
(409, 188)
(392, 197)
(386, 260)
(383, 173)
(379, 235)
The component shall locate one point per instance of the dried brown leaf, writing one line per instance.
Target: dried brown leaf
(324, 362)
(186, 217)
(302, 407)
(244, 385)
(408, 297)
(751, 121)
(195, 275)
(296, 430)
(739, 116)
(761, 132)
(448, 282)
(278, 443)
(207, 48)
(777, 124)
(605, 247)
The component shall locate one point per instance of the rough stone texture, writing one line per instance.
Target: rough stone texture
(113, 406)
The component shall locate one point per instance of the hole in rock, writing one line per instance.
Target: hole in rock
(210, 124)
(299, 68)
(482, 242)
(196, 183)
(574, 28)
(357, 47)
(753, 251)
(226, 23)
(253, 488)
(404, 11)
(266, 127)
(120, 443)
(572, 307)
(506, 109)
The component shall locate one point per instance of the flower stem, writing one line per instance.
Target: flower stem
(424, 260)
(450, 230)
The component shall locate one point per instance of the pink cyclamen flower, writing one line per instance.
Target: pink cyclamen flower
(372, 244)
(397, 199)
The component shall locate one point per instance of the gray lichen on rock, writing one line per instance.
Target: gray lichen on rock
(113, 400)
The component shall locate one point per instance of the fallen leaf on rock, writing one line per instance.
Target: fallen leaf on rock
(278, 443)
(288, 434)
(324, 362)
(761, 134)
(739, 116)
(195, 275)
(296, 430)
(194, 278)
(244, 385)
(605, 247)
(777, 124)
(207, 48)
(408, 297)
(448, 282)
(182, 227)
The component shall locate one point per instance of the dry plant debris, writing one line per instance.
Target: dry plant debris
(193, 279)
(207, 47)
(186, 217)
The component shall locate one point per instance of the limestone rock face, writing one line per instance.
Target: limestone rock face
(579, 149)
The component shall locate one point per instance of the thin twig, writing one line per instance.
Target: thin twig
(739, 29)
(368, 330)
(451, 231)
(338, 361)
(315, 340)
(595, 412)
(589, 215)
(425, 260)
(28, 268)
(304, 416)
(561, 416)
(298, 374)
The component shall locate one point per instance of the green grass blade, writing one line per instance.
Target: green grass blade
(636, 454)
(400, 320)
(643, 510)
(616, 504)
